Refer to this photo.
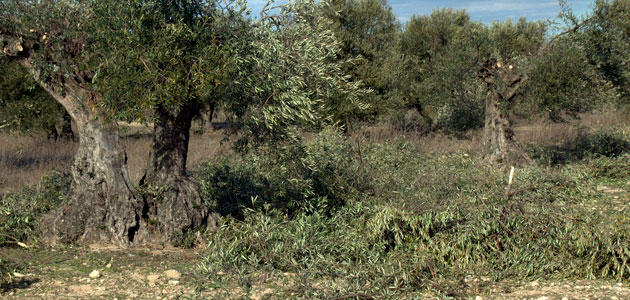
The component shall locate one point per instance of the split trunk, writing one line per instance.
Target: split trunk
(500, 145)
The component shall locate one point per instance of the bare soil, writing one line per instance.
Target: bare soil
(63, 273)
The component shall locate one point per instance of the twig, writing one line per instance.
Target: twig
(570, 30)
(509, 187)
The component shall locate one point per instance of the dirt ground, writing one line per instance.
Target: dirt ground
(64, 273)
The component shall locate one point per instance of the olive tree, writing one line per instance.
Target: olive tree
(57, 43)
(442, 53)
(167, 62)
(104, 60)
(606, 39)
(550, 76)
(366, 30)
(513, 44)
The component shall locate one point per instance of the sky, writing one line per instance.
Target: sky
(480, 10)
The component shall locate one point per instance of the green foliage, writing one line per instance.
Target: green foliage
(24, 106)
(588, 144)
(606, 36)
(166, 54)
(367, 29)
(291, 76)
(562, 81)
(513, 40)
(319, 174)
(19, 212)
(417, 222)
(444, 51)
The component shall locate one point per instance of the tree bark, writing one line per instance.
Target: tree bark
(174, 200)
(500, 145)
(103, 206)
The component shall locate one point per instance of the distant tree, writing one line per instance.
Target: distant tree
(606, 39)
(57, 43)
(519, 66)
(512, 44)
(26, 107)
(367, 30)
(443, 52)
(550, 76)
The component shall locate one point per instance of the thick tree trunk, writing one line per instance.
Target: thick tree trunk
(500, 146)
(103, 205)
(498, 137)
(174, 200)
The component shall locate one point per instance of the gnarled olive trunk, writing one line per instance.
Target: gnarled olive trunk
(174, 201)
(499, 143)
(103, 205)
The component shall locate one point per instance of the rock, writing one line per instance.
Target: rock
(478, 298)
(565, 298)
(534, 283)
(173, 282)
(153, 277)
(95, 274)
(614, 298)
(543, 298)
(108, 265)
(172, 274)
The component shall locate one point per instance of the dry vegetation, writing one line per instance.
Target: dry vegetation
(383, 215)
(24, 159)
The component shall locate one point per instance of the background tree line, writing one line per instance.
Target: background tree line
(303, 65)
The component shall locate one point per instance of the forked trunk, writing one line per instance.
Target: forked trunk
(499, 143)
(174, 201)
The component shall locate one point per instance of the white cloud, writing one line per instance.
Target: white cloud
(502, 6)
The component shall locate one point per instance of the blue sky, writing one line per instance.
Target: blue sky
(482, 10)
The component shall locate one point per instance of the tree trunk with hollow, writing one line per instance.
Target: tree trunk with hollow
(174, 201)
(500, 145)
(103, 205)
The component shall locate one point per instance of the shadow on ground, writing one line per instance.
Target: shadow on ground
(18, 285)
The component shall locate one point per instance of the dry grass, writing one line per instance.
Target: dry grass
(24, 159)
(528, 132)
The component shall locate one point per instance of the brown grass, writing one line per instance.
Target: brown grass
(528, 132)
(24, 159)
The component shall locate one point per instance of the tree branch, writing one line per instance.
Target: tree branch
(570, 30)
